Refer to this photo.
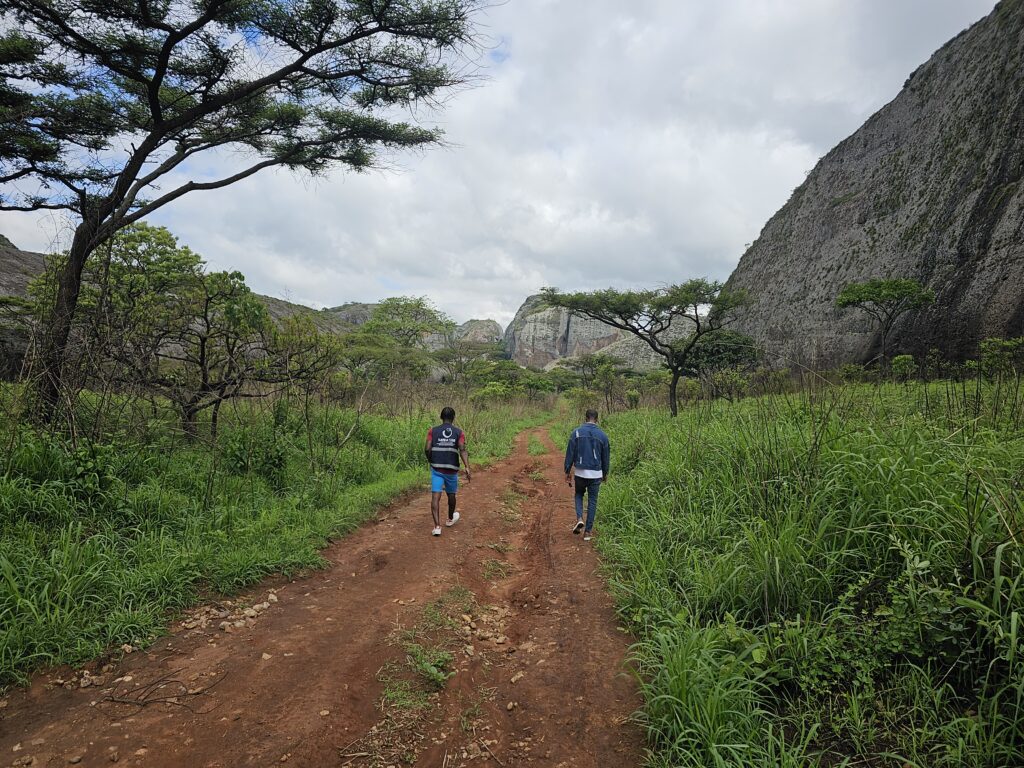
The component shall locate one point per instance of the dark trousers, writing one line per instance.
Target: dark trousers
(591, 486)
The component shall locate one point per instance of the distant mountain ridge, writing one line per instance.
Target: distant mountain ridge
(18, 268)
(538, 337)
(928, 188)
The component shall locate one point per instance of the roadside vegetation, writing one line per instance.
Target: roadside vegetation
(101, 538)
(200, 445)
(831, 576)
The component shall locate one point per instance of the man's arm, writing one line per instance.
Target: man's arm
(426, 448)
(465, 457)
(606, 456)
(570, 456)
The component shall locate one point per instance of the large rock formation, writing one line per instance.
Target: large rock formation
(17, 268)
(479, 332)
(929, 188)
(540, 335)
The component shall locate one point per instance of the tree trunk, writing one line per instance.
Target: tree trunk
(58, 325)
(189, 421)
(673, 405)
(214, 418)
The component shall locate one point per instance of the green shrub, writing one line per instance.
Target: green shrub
(903, 367)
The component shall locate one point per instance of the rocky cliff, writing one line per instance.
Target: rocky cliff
(17, 268)
(480, 331)
(539, 335)
(928, 188)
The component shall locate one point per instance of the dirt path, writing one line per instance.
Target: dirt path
(317, 673)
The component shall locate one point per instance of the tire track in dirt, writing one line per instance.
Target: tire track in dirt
(299, 684)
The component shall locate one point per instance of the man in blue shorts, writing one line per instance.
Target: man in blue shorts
(446, 444)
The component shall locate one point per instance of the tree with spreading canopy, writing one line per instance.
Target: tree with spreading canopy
(408, 321)
(885, 300)
(670, 320)
(105, 103)
(151, 315)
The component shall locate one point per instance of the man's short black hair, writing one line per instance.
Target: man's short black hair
(591, 415)
(447, 413)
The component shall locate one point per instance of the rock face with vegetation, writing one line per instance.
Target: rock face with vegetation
(352, 313)
(929, 188)
(540, 335)
(17, 268)
(479, 331)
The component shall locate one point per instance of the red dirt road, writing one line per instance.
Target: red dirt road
(299, 683)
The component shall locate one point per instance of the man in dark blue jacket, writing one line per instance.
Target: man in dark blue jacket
(587, 458)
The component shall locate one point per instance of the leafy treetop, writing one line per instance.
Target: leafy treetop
(885, 299)
(101, 100)
(670, 320)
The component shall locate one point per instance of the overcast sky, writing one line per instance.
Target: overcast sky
(610, 144)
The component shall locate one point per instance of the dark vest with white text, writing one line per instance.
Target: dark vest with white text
(444, 447)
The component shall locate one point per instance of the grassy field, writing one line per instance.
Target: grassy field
(833, 578)
(101, 542)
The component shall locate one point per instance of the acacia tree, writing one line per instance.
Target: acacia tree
(457, 356)
(885, 301)
(587, 366)
(408, 321)
(157, 319)
(670, 320)
(104, 103)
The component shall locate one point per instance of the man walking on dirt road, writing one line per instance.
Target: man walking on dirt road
(446, 444)
(587, 457)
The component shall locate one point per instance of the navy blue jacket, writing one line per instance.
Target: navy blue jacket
(588, 449)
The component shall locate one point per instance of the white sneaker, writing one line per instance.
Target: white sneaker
(454, 520)
(578, 527)
(437, 531)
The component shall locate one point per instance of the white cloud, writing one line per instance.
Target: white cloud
(612, 144)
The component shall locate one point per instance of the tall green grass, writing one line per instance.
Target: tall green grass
(824, 579)
(100, 540)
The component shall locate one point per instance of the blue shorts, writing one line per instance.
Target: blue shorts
(439, 481)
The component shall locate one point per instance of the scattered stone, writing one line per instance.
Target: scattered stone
(75, 759)
(518, 676)
(324, 712)
(141, 752)
(38, 742)
(267, 657)
(226, 626)
(511, 705)
(272, 598)
(26, 760)
(469, 650)
(250, 613)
